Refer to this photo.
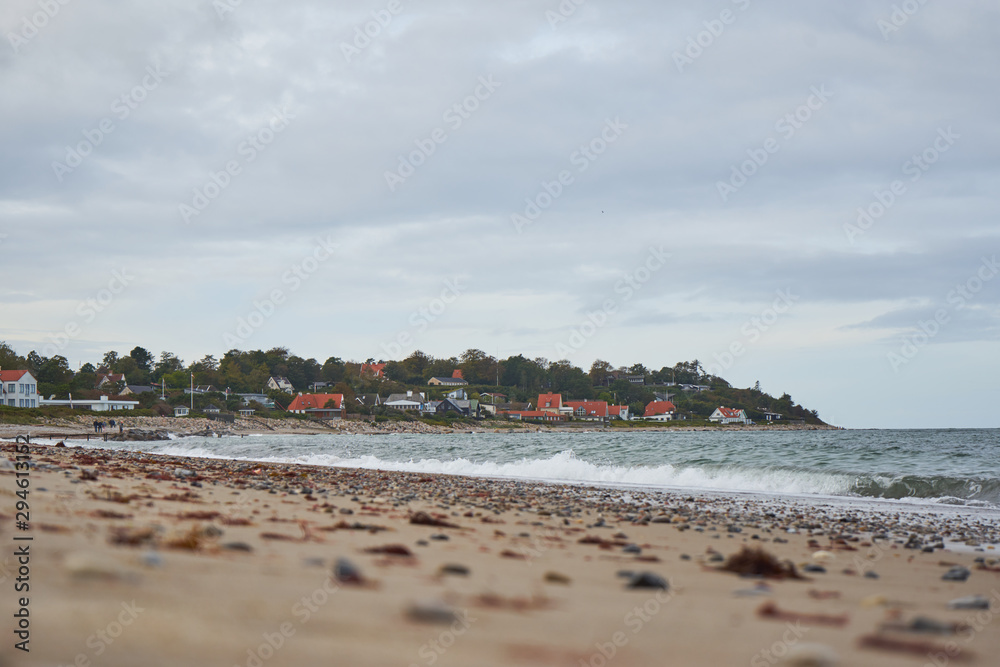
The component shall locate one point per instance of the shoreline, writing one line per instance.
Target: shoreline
(221, 555)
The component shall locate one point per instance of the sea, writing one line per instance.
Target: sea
(903, 468)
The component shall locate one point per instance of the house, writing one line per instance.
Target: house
(246, 412)
(589, 410)
(493, 398)
(771, 416)
(729, 416)
(660, 411)
(280, 384)
(200, 389)
(316, 405)
(456, 380)
(458, 394)
(535, 415)
(211, 410)
(137, 389)
(257, 398)
(369, 400)
(550, 403)
(19, 389)
(461, 407)
(409, 401)
(376, 370)
(181, 411)
(103, 404)
(619, 412)
(693, 387)
(110, 378)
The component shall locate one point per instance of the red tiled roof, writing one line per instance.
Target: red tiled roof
(457, 374)
(616, 409)
(374, 369)
(315, 401)
(11, 376)
(659, 408)
(592, 408)
(730, 413)
(552, 400)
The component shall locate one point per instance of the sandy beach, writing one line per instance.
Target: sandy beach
(135, 559)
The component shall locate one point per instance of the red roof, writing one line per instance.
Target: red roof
(659, 408)
(315, 401)
(730, 413)
(110, 377)
(11, 376)
(374, 369)
(591, 408)
(458, 374)
(616, 409)
(551, 401)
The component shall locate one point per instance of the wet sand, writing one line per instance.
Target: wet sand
(138, 559)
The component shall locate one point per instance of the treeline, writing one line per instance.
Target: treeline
(520, 379)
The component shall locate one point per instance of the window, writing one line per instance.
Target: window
(33, 403)
(10, 389)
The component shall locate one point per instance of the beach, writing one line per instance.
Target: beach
(162, 560)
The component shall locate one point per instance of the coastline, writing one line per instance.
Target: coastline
(181, 426)
(231, 562)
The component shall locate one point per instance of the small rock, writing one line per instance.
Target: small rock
(557, 578)
(814, 568)
(440, 537)
(432, 611)
(632, 549)
(957, 573)
(871, 574)
(346, 572)
(237, 546)
(970, 602)
(648, 580)
(453, 568)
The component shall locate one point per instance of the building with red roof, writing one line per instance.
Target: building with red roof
(315, 405)
(378, 370)
(550, 403)
(19, 389)
(619, 412)
(589, 410)
(729, 416)
(660, 411)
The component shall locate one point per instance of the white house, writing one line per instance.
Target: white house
(729, 416)
(280, 384)
(181, 411)
(20, 389)
(407, 401)
(103, 404)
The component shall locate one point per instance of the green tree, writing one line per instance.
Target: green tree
(143, 359)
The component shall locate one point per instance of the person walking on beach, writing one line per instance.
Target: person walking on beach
(95, 426)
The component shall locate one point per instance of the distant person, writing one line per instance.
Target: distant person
(112, 423)
(95, 426)
(121, 427)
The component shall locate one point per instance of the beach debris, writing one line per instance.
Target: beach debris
(425, 519)
(824, 595)
(454, 569)
(871, 574)
(346, 572)
(432, 611)
(645, 580)
(237, 546)
(912, 647)
(814, 568)
(957, 573)
(494, 601)
(771, 611)
(760, 589)
(192, 540)
(757, 562)
(557, 578)
(970, 602)
(810, 655)
(925, 625)
(823, 556)
(390, 550)
(632, 549)
(509, 553)
(132, 537)
(441, 537)
(108, 514)
(357, 525)
(875, 601)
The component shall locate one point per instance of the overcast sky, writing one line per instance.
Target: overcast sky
(633, 181)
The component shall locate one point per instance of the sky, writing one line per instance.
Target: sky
(797, 193)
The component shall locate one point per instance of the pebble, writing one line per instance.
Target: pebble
(648, 580)
(557, 578)
(440, 537)
(346, 572)
(814, 568)
(237, 546)
(957, 573)
(432, 611)
(871, 574)
(970, 602)
(453, 568)
(632, 549)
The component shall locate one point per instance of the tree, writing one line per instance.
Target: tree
(55, 371)
(110, 361)
(599, 371)
(143, 359)
(9, 359)
(168, 363)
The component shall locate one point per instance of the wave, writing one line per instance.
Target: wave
(567, 467)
